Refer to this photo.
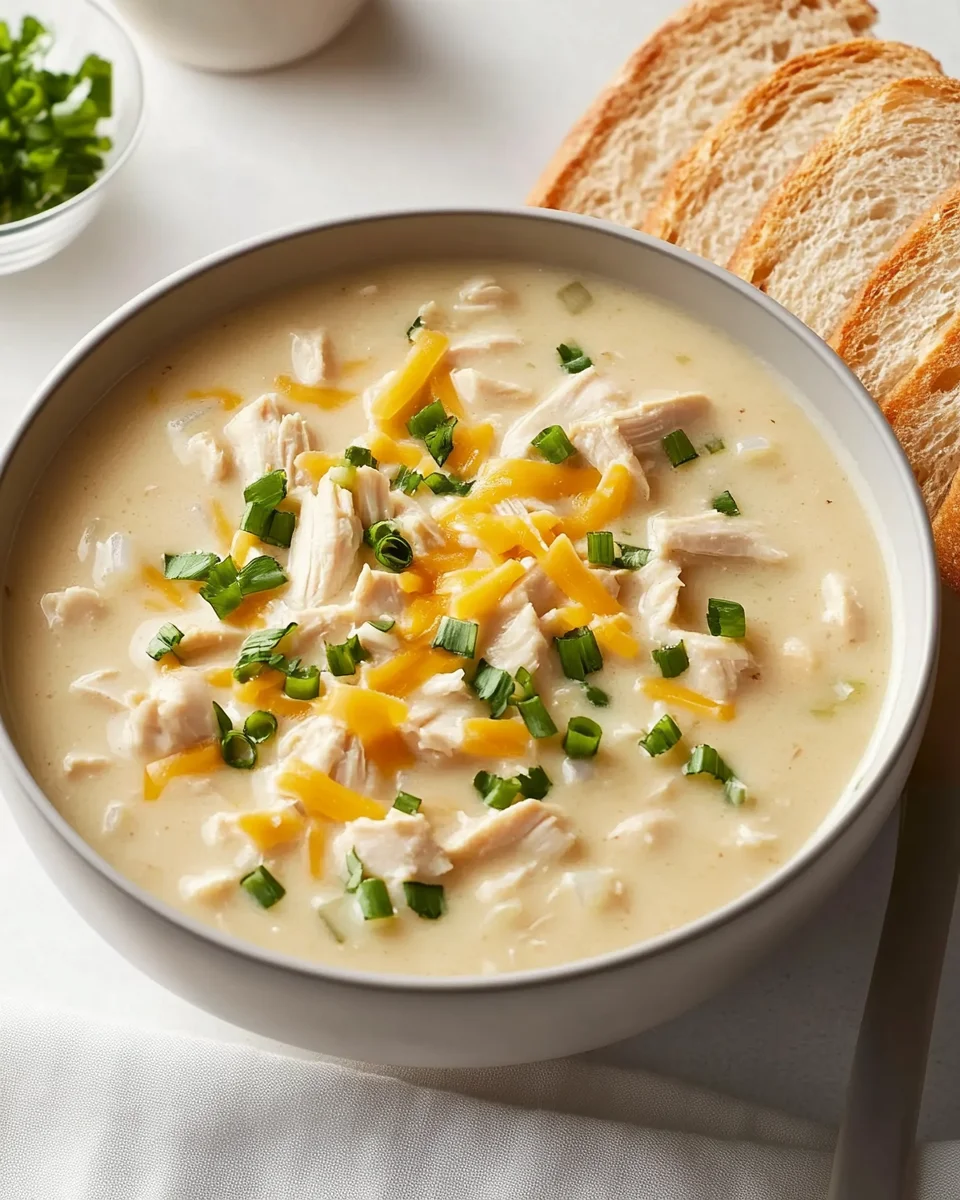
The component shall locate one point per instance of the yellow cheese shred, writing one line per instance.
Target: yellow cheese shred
(315, 463)
(386, 450)
(172, 592)
(598, 508)
(223, 527)
(471, 445)
(316, 844)
(671, 692)
(486, 738)
(199, 760)
(422, 360)
(480, 599)
(405, 672)
(613, 634)
(323, 797)
(323, 397)
(562, 564)
(269, 829)
(225, 396)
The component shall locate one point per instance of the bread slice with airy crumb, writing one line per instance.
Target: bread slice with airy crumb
(716, 191)
(924, 410)
(842, 211)
(679, 83)
(899, 316)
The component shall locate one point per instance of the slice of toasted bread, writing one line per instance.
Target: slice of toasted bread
(715, 192)
(924, 410)
(899, 316)
(678, 84)
(833, 221)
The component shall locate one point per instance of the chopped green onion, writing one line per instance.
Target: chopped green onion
(374, 900)
(302, 683)
(679, 448)
(408, 803)
(256, 519)
(494, 686)
(268, 489)
(459, 637)
(414, 327)
(263, 887)
(194, 565)
(222, 588)
(426, 899)
(163, 641)
(359, 456)
(735, 792)
(574, 297)
(378, 530)
(535, 784)
(572, 359)
(390, 548)
(448, 485)
(600, 549)
(726, 618)
(280, 531)
(428, 418)
(525, 684)
(582, 739)
(596, 696)
(496, 791)
(714, 445)
(384, 625)
(354, 872)
(260, 726)
(704, 760)
(554, 444)
(579, 653)
(407, 481)
(261, 574)
(259, 650)
(224, 724)
(672, 660)
(343, 659)
(725, 503)
(439, 441)
(536, 718)
(238, 750)
(632, 558)
(343, 475)
(662, 737)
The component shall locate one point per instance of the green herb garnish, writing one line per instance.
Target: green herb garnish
(725, 503)
(459, 637)
(554, 445)
(163, 641)
(263, 887)
(672, 660)
(426, 899)
(572, 359)
(726, 618)
(679, 448)
(194, 565)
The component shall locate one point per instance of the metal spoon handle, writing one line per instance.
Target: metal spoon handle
(874, 1153)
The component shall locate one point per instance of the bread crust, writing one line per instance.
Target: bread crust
(696, 176)
(760, 248)
(641, 79)
(919, 250)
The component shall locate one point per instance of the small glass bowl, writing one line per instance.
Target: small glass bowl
(79, 29)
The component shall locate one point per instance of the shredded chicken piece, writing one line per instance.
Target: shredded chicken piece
(101, 686)
(542, 592)
(482, 295)
(327, 745)
(316, 626)
(509, 827)
(578, 398)
(71, 606)
(799, 653)
(602, 445)
(431, 315)
(265, 439)
(596, 888)
(117, 817)
(645, 424)
(465, 349)
(712, 534)
(371, 496)
(841, 606)
(481, 392)
(214, 460)
(716, 664)
(417, 526)
(324, 546)
(212, 887)
(114, 560)
(649, 826)
(437, 711)
(400, 847)
(376, 594)
(520, 643)
(311, 358)
(176, 713)
(660, 583)
(76, 763)
(749, 837)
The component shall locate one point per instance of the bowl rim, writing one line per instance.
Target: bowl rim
(13, 227)
(664, 943)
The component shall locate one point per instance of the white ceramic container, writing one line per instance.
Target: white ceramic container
(238, 35)
(484, 1021)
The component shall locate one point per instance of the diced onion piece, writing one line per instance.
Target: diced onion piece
(753, 447)
(322, 796)
(483, 597)
(673, 693)
(488, 738)
(563, 566)
(200, 760)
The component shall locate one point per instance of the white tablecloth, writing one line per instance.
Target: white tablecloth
(439, 102)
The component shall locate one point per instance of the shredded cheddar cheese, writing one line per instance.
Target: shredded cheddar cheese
(405, 672)
(323, 797)
(224, 396)
(403, 390)
(481, 598)
(200, 760)
(574, 578)
(671, 692)
(323, 397)
(172, 592)
(269, 829)
(487, 738)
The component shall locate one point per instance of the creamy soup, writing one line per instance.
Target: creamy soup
(452, 619)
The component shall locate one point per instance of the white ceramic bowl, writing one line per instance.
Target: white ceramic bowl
(483, 1021)
(80, 27)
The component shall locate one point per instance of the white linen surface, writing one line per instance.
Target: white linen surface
(92, 1110)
